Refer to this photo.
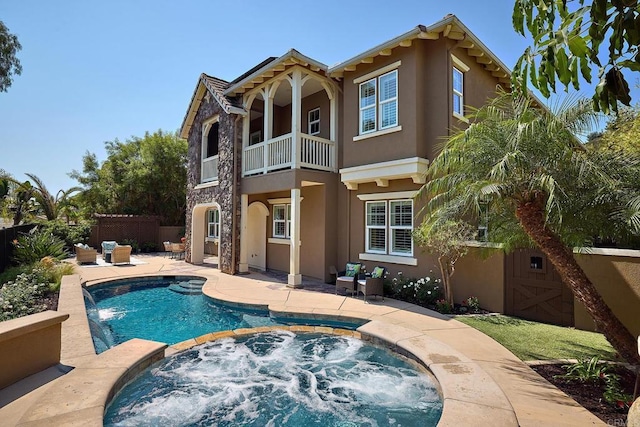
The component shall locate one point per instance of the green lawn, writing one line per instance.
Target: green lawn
(539, 341)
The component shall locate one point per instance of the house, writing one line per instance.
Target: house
(296, 166)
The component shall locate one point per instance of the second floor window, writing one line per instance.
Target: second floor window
(314, 121)
(379, 103)
(458, 92)
(212, 140)
(213, 224)
(282, 221)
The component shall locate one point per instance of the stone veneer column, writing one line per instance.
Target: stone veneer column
(294, 279)
(243, 267)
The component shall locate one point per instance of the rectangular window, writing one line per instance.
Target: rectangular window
(213, 226)
(389, 100)
(282, 221)
(458, 92)
(401, 226)
(314, 121)
(379, 111)
(376, 227)
(255, 137)
(389, 224)
(368, 106)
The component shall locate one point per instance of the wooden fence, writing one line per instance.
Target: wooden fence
(125, 229)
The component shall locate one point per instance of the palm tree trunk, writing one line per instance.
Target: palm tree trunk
(532, 219)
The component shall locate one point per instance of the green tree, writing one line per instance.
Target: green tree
(142, 176)
(542, 187)
(446, 239)
(9, 63)
(568, 37)
(51, 207)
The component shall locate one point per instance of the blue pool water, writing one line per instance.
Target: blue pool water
(279, 379)
(148, 308)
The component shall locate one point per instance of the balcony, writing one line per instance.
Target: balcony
(278, 153)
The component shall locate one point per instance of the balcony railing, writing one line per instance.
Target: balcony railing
(210, 169)
(277, 153)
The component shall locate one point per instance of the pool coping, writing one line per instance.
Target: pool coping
(472, 382)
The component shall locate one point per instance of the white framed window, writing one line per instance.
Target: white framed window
(401, 227)
(376, 227)
(379, 103)
(457, 86)
(255, 137)
(210, 149)
(282, 221)
(458, 92)
(213, 224)
(388, 98)
(389, 227)
(313, 118)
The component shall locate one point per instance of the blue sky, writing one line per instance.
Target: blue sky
(97, 71)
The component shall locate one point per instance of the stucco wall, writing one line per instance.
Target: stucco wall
(480, 273)
(617, 278)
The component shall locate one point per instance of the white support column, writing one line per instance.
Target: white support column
(333, 132)
(243, 266)
(246, 122)
(268, 122)
(296, 111)
(294, 279)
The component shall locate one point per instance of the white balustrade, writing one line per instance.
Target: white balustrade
(210, 169)
(316, 153)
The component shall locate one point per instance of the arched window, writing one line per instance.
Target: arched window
(210, 149)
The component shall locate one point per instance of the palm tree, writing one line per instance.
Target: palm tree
(541, 186)
(52, 207)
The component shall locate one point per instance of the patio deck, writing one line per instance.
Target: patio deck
(481, 381)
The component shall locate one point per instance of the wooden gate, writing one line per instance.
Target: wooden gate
(534, 290)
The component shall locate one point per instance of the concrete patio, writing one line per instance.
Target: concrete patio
(481, 382)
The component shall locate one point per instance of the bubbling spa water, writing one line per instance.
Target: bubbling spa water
(280, 379)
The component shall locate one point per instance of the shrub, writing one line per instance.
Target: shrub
(149, 247)
(424, 291)
(50, 271)
(32, 247)
(10, 273)
(69, 234)
(443, 306)
(20, 297)
(592, 370)
(473, 304)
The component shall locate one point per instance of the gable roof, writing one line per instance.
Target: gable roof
(269, 67)
(215, 87)
(450, 27)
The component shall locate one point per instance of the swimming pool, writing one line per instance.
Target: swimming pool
(280, 379)
(169, 309)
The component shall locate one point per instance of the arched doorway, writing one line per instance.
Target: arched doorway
(257, 214)
(199, 224)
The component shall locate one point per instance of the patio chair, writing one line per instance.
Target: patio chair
(85, 254)
(121, 254)
(107, 247)
(373, 284)
(348, 279)
(167, 248)
(177, 250)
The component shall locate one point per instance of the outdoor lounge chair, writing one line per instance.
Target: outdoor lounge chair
(177, 250)
(121, 254)
(348, 279)
(85, 254)
(167, 248)
(373, 284)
